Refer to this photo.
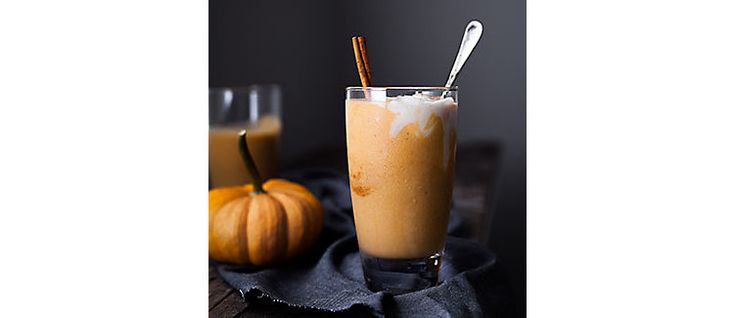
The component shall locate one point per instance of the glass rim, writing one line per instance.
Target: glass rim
(243, 87)
(402, 88)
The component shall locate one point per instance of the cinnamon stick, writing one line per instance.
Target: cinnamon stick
(363, 52)
(361, 69)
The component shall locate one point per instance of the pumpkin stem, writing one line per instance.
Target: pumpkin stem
(250, 163)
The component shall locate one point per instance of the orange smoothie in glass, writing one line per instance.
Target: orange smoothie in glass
(401, 166)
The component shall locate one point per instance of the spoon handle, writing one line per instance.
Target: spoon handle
(471, 36)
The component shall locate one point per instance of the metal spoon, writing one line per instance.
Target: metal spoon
(471, 36)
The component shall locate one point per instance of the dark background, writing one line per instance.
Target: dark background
(305, 47)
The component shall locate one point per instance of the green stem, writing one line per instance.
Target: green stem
(250, 163)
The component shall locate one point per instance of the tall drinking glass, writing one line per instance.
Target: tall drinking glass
(401, 143)
(256, 108)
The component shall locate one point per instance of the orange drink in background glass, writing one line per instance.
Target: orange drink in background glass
(255, 108)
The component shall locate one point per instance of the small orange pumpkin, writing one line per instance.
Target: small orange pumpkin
(262, 223)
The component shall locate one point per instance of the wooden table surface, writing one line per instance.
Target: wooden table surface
(224, 301)
(475, 178)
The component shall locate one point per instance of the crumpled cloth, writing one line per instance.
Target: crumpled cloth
(329, 278)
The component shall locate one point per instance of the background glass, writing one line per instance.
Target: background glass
(256, 108)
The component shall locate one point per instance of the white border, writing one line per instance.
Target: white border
(103, 161)
(631, 159)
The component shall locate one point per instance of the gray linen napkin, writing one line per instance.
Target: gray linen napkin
(329, 278)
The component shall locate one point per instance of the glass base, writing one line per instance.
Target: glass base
(398, 276)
